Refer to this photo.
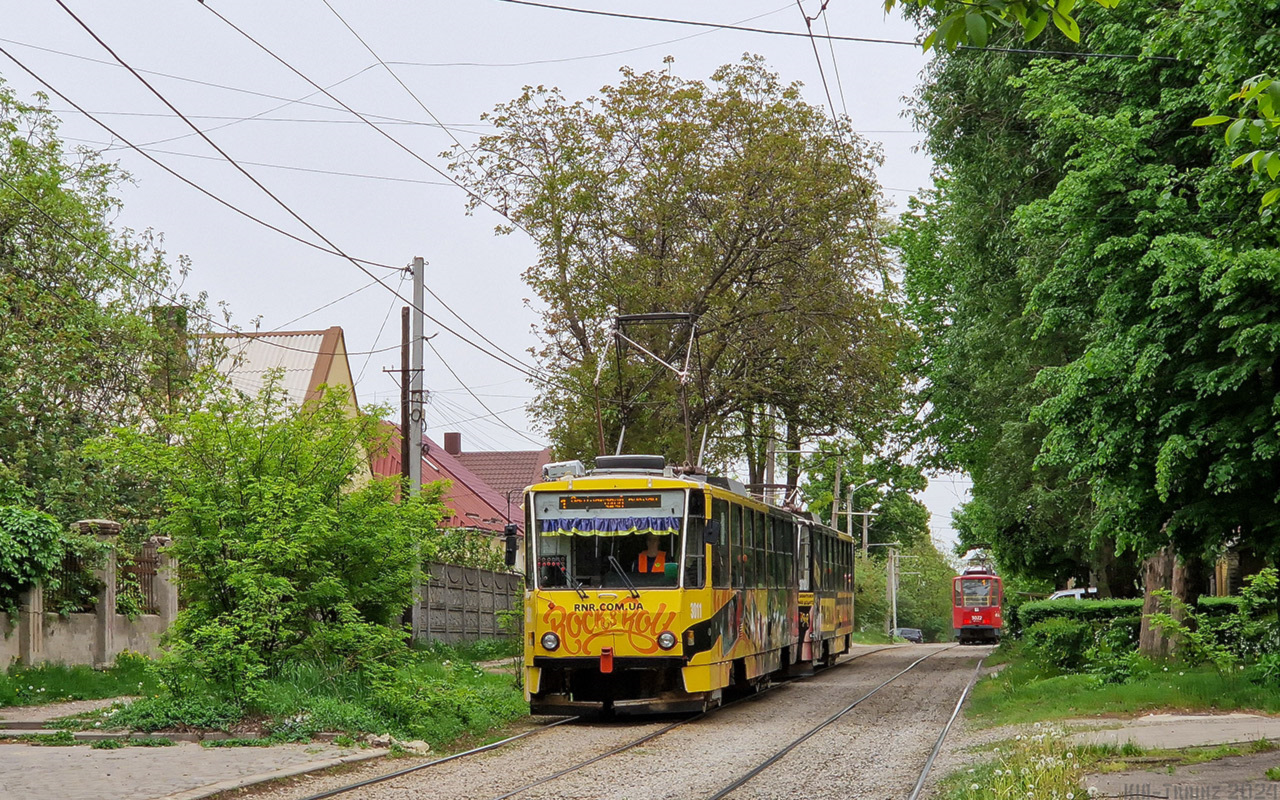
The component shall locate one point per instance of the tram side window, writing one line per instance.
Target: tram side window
(805, 542)
(786, 543)
(781, 549)
(818, 551)
(758, 551)
(748, 547)
(695, 566)
(720, 548)
(771, 549)
(738, 565)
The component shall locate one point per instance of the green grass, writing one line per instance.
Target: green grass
(1023, 692)
(433, 697)
(51, 683)
(870, 637)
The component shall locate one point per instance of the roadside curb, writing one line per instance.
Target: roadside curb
(209, 790)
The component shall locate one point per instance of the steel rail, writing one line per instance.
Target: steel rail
(648, 737)
(771, 760)
(474, 751)
(937, 747)
(502, 742)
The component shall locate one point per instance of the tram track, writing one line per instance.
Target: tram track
(352, 787)
(782, 753)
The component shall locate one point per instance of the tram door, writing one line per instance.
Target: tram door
(805, 604)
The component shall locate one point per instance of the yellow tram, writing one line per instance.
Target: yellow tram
(653, 590)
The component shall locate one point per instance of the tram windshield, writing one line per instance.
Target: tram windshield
(976, 592)
(608, 539)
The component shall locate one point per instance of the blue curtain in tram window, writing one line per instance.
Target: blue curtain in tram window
(611, 526)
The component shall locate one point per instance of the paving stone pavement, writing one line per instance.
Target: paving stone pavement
(30, 772)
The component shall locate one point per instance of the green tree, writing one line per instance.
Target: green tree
(1234, 40)
(924, 591)
(880, 483)
(289, 551)
(978, 351)
(732, 201)
(1143, 286)
(79, 349)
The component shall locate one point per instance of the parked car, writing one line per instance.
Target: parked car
(914, 635)
(1075, 594)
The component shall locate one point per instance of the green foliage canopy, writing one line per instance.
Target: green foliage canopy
(79, 352)
(1117, 337)
(289, 550)
(731, 200)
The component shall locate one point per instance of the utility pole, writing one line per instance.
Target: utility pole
(405, 450)
(835, 495)
(415, 380)
(770, 457)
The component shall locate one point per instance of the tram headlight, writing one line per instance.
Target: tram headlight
(666, 640)
(550, 641)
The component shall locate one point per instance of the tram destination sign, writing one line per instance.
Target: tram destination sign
(573, 502)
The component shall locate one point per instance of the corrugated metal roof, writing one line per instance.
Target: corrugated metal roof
(249, 359)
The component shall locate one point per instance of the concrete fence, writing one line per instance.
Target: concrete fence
(466, 604)
(94, 638)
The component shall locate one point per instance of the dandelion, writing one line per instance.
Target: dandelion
(1182, 673)
(1037, 726)
(973, 787)
(1093, 791)
(971, 771)
(998, 773)
(97, 724)
(1071, 796)
(1071, 755)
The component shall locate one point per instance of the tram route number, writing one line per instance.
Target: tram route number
(572, 501)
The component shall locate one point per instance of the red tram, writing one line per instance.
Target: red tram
(975, 612)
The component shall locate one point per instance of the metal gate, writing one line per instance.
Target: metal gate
(466, 604)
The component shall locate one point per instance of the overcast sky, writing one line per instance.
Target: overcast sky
(371, 198)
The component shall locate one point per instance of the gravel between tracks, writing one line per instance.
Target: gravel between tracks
(874, 752)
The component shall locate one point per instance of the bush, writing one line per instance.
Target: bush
(31, 548)
(1114, 657)
(1093, 611)
(286, 556)
(1058, 642)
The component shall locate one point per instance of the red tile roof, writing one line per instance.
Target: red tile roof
(507, 471)
(472, 503)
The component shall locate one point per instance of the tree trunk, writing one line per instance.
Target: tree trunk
(1157, 573)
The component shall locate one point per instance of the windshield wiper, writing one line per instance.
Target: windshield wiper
(569, 579)
(631, 587)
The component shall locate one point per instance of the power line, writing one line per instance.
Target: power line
(133, 278)
(139, 149)
(381, 328)
(863, 39)
(459, 126)
(835, 65)
(335, 249)
(475, 397)
(821, 72)
(392, 73)
(284, 325)
(367, 121)
(288, 167)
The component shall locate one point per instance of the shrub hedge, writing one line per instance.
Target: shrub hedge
(1096, 611)
(1059, 642)
(1092, 611)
